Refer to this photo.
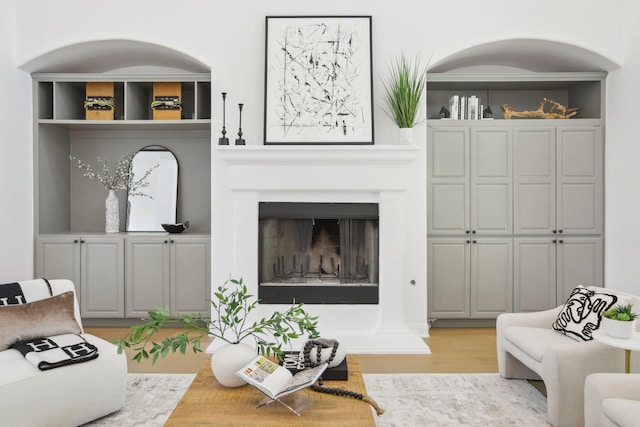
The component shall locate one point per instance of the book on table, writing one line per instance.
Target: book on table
(276, 381)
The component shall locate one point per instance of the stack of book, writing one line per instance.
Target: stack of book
(465, 108)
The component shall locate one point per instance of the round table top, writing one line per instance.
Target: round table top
(632, 343)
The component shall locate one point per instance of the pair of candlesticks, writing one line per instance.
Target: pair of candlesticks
(224, 140)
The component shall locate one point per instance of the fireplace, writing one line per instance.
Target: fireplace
(318, 253)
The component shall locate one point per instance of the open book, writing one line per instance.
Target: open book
(276, 381)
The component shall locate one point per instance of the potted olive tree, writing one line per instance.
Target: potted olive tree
(403, 92)
(619, 321)
(230, 323)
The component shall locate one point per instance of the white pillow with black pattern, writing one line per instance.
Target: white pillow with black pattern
(582, 313)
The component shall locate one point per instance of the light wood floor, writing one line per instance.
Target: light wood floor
(453, 350)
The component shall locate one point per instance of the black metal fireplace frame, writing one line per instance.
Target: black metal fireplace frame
(316, 294)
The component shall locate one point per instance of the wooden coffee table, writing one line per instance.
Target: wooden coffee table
(207, 403)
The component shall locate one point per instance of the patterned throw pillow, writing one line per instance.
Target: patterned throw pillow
(582, 313)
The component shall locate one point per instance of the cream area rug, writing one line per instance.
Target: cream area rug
(149, 402)
(437, 400)
(455, 400)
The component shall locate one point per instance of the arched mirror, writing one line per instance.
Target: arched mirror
(159, 203)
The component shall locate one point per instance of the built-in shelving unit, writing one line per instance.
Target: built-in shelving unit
(521, 91)
(107, 269)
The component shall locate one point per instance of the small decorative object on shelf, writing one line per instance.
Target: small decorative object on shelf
(224, 140)
(176, 228)
(557, 111)
(167, 103)
(123, 178)
(240, 140)
(100, 102)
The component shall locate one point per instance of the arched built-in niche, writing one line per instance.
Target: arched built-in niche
(101, 56)
(524, 55)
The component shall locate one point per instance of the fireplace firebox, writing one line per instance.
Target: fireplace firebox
(318, 253)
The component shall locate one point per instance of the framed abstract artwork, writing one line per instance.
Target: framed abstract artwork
(318, 83)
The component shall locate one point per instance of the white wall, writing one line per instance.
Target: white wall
(622, 238)
(230, 38)
(16, 219)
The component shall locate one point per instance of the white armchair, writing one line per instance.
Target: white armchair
(529, 348)
(612, 400)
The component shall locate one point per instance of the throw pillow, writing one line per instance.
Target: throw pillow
(582, 313)
(47, 317)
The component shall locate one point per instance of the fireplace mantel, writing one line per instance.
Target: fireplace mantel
(392, 176)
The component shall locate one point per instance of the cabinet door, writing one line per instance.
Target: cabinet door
(148, 277)
(59, 258)
(448, 270)
(534, 278)
(491, 277)
(102, 277)
(191, 275)
(579, 162)
(580, 262)
(534, 180)
(491, 181)
(448, 181)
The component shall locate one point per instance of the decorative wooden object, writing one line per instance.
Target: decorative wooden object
(167, 91)
(557, 111)
(99, 91)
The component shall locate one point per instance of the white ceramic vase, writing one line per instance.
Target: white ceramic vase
(228, 359)
(112, 213)
(618, 328)
(405, 136)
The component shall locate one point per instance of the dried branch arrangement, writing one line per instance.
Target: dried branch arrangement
(557, 111)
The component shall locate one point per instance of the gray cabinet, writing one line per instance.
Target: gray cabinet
(546, 269)
(470, 181)
(168, 271)
(469, 277)
(558, 180)
(96, 266)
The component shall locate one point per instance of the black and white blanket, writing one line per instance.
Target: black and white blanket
(56, 351)
(24, 292)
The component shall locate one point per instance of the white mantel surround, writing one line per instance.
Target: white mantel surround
(391, 175)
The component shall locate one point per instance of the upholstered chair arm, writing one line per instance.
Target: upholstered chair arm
(538, 319)
(565, 369)
(602, 386)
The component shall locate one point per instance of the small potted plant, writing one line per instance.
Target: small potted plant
(619, 321)
(229, 322)
(403, 92)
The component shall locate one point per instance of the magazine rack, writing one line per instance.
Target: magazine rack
(295, 402)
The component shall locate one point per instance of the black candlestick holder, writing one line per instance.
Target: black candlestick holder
(240, 140)
(223, 140)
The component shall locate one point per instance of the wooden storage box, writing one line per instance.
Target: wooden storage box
(171, 92)
(100, 91)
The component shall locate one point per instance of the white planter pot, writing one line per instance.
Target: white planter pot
(405, 136)
(228, 359)
(618, 328)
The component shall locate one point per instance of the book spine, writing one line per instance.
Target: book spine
(454, 107)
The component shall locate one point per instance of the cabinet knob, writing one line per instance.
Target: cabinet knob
(468, 231)
(561, 241)
(473, 232)
(555, 231)
(75, 241)
(166, 241)
(468, 241)
(172, 241)
(81, 241)
(560, 231)
(554, 241)
(475, 241)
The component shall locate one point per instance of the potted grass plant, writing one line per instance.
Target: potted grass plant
(229, 322)
(403, 92)
(619, 321)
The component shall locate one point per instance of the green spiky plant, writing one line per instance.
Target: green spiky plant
(231, 306)
(621, 312)
(404, 89)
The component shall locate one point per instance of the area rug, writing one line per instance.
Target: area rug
(437, 400)
(455, 400)
(149, 402)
